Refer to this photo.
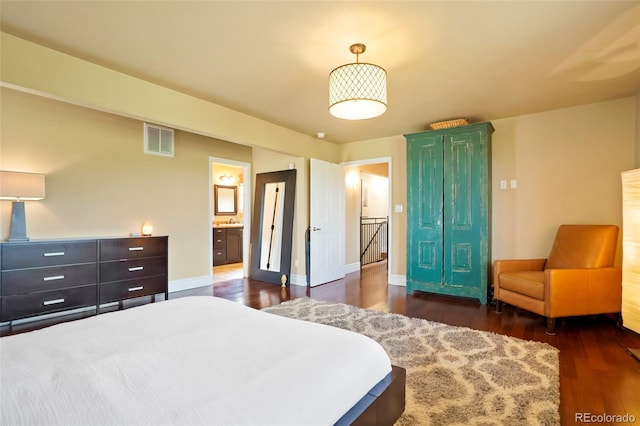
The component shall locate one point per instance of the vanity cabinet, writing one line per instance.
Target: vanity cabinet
(227, 245)
(448, 216)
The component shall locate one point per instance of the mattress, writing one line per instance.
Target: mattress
(194, 360)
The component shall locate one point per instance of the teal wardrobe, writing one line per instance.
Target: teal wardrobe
(449, 210)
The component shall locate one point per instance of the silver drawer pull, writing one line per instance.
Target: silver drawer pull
(136, 288)
(54, 253)
(136, 268)
(53, 302)
(136, 248)
(54, 277)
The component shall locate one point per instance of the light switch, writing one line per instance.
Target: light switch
(399, 208)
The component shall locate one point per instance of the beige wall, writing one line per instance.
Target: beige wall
(30, 67)
(99, 182)
(395, 148)
(567, 163)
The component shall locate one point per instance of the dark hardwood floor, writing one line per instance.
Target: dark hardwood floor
(597, 375)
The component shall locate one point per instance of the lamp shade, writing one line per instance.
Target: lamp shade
(357, 91)
(631, 249)
(21, 186)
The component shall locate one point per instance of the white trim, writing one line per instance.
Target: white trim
(352, 267)
(298, 280)
(399, 280)
(189, 283)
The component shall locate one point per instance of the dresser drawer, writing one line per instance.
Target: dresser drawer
(44, 302)
(132, 248)
(135, 268)
(23, 281)
(34, 254)
(120, 290)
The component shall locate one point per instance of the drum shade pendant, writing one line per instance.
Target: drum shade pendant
(357, 91)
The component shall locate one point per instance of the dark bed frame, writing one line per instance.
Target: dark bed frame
(382, 405)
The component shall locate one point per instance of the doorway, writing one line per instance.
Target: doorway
(230, 207)
(368, 200)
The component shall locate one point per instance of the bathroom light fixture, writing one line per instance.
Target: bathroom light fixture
(357, 91)
(18, 187)
(226, 178)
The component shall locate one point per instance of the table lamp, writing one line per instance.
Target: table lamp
(18, 187)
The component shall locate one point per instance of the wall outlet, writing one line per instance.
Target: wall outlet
(513, 184)
(503, 184)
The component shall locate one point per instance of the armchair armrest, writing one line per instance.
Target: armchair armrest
(582, 291)
(518, 265)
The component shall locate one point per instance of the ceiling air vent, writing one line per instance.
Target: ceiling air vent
(158, 140)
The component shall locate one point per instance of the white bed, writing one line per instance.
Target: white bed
(194, 360)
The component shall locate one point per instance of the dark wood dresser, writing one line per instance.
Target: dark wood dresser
(46, 277)
(132, 267)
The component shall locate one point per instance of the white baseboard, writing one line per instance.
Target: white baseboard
(353, 267)
(189, 283)
(299, 280)
(399, 280)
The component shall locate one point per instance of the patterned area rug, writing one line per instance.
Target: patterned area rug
(455, 375)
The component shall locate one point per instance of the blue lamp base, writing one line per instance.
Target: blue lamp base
(18, 223)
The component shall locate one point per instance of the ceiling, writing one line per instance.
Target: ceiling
(481, 60)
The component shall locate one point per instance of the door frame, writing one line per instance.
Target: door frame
(389, 161)
(246, 206)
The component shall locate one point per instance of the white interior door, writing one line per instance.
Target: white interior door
(327, 227)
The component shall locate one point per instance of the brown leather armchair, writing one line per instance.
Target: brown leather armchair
(578, 278)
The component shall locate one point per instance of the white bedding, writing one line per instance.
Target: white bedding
(194, 360)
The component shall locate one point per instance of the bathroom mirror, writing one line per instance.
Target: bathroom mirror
(272, 226)
(225, 200)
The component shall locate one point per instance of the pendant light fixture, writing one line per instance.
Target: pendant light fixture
(358, 90)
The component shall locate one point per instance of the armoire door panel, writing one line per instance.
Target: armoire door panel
(427, 218)
(458, 181)
(462, 165)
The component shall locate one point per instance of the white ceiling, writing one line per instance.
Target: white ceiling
(481, 60)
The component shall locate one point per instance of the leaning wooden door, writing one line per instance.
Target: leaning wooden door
(424, 211)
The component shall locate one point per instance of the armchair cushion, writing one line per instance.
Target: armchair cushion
(527, 283)
(583, 246)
